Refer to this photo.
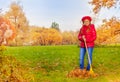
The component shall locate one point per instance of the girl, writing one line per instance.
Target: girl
(88, 34)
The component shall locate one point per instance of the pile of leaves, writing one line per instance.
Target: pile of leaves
(13, 71)
(78, 73)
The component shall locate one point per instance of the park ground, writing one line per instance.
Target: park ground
(53, 63)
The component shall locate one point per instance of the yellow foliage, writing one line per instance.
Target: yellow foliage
(12, 71)
(7, 31)
(107, 31)
(98, 4)
(46, 36)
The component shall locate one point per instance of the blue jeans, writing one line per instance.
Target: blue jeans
(82, 55)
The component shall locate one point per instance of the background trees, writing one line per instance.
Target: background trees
(69, 37)
(17, 17)
(55, 26)
(98, 4)
(7, 31)
(107, 33)
(45, 36)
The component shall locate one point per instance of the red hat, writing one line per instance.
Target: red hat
(87, 17)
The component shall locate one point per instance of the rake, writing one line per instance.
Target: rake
(91, 70)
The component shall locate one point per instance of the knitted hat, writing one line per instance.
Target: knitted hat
(87, 17)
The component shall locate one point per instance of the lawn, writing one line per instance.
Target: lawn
(52, 63)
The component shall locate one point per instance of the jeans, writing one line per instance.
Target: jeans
(82, 55)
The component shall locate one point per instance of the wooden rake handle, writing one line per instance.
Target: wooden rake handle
(87, 53)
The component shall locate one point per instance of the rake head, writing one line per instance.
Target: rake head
(91, 72)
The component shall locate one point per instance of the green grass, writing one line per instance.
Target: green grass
(52, 63)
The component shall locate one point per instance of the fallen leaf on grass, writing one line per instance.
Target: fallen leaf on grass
(80, 73)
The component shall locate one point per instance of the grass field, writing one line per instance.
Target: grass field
(52, 63)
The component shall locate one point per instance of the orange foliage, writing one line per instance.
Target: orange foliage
(78, 73)
(12, 28)
(7, 30)
(69, 37)
(46, 36)
(98, 4)
(108, 31)
(51, 36)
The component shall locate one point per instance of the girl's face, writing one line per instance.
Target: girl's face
(86, 22)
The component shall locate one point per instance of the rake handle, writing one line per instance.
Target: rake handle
(87, 53)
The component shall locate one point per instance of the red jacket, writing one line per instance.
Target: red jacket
(90, 34)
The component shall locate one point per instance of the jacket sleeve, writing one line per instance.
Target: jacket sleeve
(80, 36)
(93, 38)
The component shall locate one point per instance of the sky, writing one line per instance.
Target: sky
(67, 13)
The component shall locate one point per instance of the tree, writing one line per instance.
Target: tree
(16, 15)
(55, 26)
(98, 4)
(108, 32)
(7, 31)
(45, 36)
(69, 37)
